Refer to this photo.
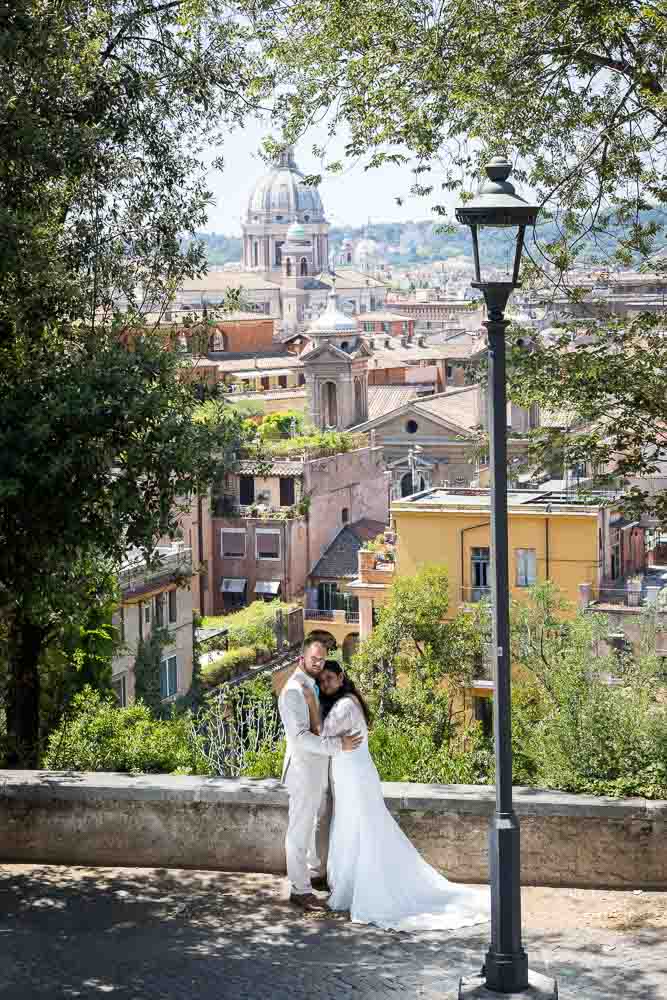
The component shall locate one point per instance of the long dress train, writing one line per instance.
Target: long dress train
(374, 871)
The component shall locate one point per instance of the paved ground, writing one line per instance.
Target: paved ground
(143, 934)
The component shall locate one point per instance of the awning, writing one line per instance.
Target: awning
(232, 585)
(267, 587)
(261, 373)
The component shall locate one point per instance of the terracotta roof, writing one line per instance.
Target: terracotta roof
(340, 559)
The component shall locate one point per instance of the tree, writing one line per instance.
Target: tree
(98, 448)
(414, 639)
(106, 106)
(572, 728)
(576, 94)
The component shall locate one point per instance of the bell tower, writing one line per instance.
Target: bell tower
(336, 371)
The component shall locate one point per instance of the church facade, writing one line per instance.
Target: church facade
(285, 269)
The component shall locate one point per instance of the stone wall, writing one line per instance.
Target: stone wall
(213, 823)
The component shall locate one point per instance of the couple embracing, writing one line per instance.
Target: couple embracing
(361, 857)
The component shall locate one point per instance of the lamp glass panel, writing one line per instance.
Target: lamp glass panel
(497, 252)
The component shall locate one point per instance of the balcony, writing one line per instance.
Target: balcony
(474, 595)
(376, 568)
(169, 562)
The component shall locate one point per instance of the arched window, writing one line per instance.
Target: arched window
(412, 426)
(345, 346)
(407, 485)
(304, 266)
(329, 404)
(255, 254)
(288, 267)
(345, 515)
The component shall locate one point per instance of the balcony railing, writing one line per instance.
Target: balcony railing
(473, 595)
(172, 561)
(631, 596)
(341, 616)
(313, 614)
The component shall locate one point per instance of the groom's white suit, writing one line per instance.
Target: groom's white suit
(306, 777)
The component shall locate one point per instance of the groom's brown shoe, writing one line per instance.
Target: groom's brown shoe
(320, 884)
(307, 901)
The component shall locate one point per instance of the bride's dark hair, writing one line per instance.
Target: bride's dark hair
(347, 687)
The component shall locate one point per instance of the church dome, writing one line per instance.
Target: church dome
(332, 322)
(282, 196)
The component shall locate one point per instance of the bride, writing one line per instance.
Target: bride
(374, 871)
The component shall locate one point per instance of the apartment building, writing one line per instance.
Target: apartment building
(152, 598)
(273, 521)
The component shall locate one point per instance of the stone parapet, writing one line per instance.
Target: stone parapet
(239, 825)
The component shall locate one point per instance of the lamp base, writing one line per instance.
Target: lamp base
(539, 988)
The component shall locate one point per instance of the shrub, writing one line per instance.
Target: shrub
(100, 736)
(251, 626)
(229, 664)
(240, 731)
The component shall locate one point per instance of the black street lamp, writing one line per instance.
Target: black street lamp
(498, 206)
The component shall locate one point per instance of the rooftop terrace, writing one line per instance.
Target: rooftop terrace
(549, 501)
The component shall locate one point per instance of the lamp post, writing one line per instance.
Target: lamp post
(498, 206)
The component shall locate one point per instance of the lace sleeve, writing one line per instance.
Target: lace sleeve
(344, 717)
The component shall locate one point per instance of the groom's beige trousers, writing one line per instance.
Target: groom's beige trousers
(306, 777)
(307, 840)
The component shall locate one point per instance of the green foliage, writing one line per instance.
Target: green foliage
(576, 98)
(413, 637)
(405, 752)
(320, 444)
(240, 731)
(100, 736)
(147, 669)
(96, 203)
(110, 452)
(265, 763)
(573, 729)
(80, 656)
(230, 664)
(278, 426)
(253, 625)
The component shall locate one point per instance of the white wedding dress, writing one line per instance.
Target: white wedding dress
(374, 871)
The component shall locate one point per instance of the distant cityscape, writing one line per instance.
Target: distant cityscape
(423, 241)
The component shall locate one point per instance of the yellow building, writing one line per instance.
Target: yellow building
(552, 536)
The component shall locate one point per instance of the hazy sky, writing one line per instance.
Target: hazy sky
(349, 198)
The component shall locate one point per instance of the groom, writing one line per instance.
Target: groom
(306, 777)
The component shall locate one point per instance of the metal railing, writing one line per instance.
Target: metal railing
(473, 595)
(175, 560)
(351, 617)
(631, 596)
(313, 614)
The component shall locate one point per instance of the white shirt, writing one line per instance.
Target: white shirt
(301, 743)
